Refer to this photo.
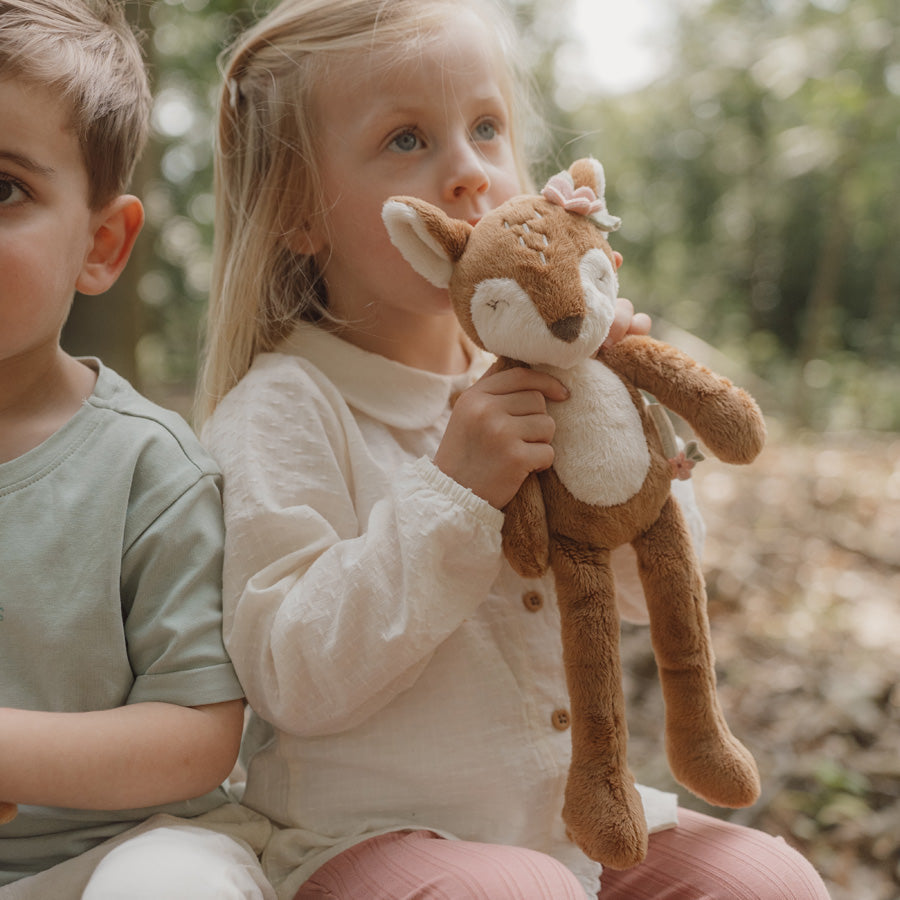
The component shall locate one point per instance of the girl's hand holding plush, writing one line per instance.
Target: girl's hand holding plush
(626, 320)
(499, 432)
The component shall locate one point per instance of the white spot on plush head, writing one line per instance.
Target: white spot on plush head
(601, 287)
(508, 324)
(506, 320)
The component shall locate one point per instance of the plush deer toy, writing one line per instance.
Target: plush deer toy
(534, 282)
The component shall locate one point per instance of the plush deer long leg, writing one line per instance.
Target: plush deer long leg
(703, 754)
(603, 810)
(526, 543)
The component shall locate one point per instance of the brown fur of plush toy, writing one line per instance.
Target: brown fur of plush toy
(534, 282)
(8, 812)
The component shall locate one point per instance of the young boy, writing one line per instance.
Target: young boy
(117, 700)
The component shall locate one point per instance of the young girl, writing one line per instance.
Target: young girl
(409, 727)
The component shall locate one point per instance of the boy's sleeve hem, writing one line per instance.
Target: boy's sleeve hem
(191, 687)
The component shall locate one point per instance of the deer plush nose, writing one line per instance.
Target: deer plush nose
(567, 329)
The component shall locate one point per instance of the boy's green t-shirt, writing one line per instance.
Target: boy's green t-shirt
(111, 540)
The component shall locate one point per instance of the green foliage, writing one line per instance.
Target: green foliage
(833, 796)
(756, 180)
(757, 183)
(183, 42)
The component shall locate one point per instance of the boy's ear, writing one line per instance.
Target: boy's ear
(116, 228)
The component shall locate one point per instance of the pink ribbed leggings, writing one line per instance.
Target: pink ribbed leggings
(702, 859)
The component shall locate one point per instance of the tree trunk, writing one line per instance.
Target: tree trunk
(819, 325)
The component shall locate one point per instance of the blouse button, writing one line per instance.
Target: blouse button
(533, 601)
(560, 719)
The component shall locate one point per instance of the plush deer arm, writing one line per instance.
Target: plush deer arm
(723, 416)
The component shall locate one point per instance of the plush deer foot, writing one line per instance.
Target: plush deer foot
(607, 822)
(7, 812)
(715, 766)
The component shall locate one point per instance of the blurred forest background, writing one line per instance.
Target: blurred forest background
(758, 178)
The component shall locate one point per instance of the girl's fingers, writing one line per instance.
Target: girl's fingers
(626, 321)
(539, 457)
(640, 324)
(535, 429)
(624, 316)
(499, 431)
(523, 403)
(521, 379)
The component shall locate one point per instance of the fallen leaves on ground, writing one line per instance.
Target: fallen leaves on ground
(802, 562)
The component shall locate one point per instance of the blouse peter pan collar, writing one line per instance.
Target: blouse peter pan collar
(390, 392)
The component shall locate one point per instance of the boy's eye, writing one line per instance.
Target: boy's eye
(485, 130)
(11, 192)
(405, 142)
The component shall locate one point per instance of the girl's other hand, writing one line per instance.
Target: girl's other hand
(626, 322)
(499, 432)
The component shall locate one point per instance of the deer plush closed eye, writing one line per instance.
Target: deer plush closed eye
(534, 282)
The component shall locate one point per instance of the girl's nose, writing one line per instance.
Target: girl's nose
(468, 174)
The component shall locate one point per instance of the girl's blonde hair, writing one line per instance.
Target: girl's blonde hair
(266, 167)
(85, 52)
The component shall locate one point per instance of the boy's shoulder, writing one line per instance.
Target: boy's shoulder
(136, 425)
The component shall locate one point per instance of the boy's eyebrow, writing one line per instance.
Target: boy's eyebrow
(26, 162)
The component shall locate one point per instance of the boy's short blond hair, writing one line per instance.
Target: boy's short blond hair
(84, 51)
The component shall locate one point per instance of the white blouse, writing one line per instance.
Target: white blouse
(401, 675)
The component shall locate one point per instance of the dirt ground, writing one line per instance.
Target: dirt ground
(802, 561)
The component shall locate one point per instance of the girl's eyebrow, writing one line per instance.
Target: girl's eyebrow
(27, 163)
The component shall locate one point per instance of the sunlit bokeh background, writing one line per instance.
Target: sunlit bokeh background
(751, 149)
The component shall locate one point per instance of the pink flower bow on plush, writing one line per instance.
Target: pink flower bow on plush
(681, 467)
(682, 463)
(583, 201)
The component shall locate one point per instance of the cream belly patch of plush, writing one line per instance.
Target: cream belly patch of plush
(601, 454)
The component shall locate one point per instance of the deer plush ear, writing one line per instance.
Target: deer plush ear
(429, 240)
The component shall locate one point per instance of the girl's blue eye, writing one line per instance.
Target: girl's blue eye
(485, 131)
(405, 142)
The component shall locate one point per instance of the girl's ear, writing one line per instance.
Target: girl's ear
(116, 228)
(305, 242)
(305, 239)
(429, 240)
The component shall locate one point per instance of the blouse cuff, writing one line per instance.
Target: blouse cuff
(462, 496)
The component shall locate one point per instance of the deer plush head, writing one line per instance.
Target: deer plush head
(534, 280)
